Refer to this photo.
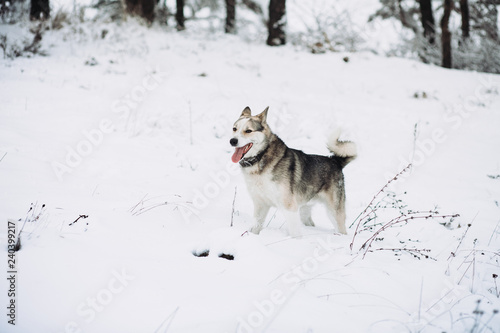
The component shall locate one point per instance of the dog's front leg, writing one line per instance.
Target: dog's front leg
(293, 220)
(260, 212)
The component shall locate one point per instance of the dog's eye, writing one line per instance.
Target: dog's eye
(248, 131)
(234, 129)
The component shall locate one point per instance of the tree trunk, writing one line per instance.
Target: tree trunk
(179, 15)
(277, 23)
(230, 16)
(142, 8)
(446, 34)
(464, 11)
(427, 20)
(40, 10)
(148, 9)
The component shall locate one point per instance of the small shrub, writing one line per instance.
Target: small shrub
(396, 213)
(23, 46)
(60, 19)
(329, 31)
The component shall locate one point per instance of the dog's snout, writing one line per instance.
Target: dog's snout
(233, 142)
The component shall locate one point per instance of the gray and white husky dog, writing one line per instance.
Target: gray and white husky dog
(289, 179)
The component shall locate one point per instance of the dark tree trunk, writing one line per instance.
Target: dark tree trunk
(464, 11)
(40, 10)
(143, 8)
(446, 34)
(148, 9)
(230, 16)
(427, 20)
(277, 23)
(179, 15)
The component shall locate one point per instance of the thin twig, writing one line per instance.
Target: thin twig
(78, 218)
(495, 253)
(147, 209)
(496, 287)
(272, 218)
(473, 267)
(494, 232)
(95, 189)
(453, 254)
(485, 326)
(468, 267)
(234, 199)
(139, 203)
(136, 211)
(415, 136)
(170, 319)
(411, 251)
(165, 203)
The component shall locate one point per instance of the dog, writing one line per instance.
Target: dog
(289, 179)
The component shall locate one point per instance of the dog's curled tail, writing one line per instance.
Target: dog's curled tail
(344, 151)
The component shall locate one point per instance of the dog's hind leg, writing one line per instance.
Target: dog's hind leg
(260, 212)
(305, 215)
(335, 207)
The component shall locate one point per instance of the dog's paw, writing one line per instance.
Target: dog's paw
(309, 223)
(256, 229)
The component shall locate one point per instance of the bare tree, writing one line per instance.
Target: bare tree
(277, 23)
(464, 11)
(179, 15)
(39, 10)
(446, 34)
(427, 18)
(230, 16)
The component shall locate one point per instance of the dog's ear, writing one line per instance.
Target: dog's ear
(246, 113)
(263, 115)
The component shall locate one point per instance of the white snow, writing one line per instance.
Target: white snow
(139, 142)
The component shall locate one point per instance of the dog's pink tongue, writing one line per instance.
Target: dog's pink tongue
(238, 154)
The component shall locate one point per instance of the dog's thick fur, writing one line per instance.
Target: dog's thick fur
(278, 176)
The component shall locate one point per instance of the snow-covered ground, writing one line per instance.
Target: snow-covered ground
(132, 130)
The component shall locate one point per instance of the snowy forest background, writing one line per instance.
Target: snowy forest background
(115, 165)
(455, 34)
